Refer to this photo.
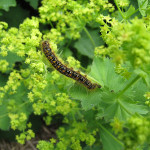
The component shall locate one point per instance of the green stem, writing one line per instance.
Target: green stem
(129, 85)
(124, 17)
(51, 24)
(68, 43)
(143, 3)
(88, 34)
(119, 10)
(136, 10)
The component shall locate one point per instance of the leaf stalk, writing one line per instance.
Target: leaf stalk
(129, 85)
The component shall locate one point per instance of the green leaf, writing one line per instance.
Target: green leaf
(88, 98)
(129, 12)
(110, 142)
(4, 119)
(32, 3)
(5, 4)
(144, 75)
(85, 45)
(140, 90)
(11, 58)
(123, 109)
(95, 147)
(133, 108)
(20, 105)
(102, 70)
(3, 79)
(18, 13)
(21, 101)
(143, 6)
(113, 105)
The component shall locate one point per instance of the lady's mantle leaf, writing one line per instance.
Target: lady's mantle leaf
(11, 59)
(5, 4)
(112, 104)
(142, 6)
(109, 141)
(103, 71)
(91, 98)
(121, 108)
(84, 44)
(88, 98)
(108, 98)
(34, 3)
(4, 119)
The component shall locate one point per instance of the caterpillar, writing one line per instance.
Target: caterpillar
(69, 72)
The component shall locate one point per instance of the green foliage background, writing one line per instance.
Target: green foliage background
(108, 40)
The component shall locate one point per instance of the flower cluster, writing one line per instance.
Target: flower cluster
(147, 96)
(17, 121)
(71, 138)
(71, 16)
(126, 42)
(137, 132)
(26, 135)
(4, 65)
(13, 83)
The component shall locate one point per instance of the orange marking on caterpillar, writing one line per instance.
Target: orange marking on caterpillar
(69, 72)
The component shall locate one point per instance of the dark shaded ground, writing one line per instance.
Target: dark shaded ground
(45, 133)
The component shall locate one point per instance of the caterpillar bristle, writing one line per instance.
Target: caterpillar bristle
(63, 69)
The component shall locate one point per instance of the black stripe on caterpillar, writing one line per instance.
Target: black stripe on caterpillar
(69, 72)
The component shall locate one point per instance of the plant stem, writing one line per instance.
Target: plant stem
(88, 34)
(127, 17)
(137, 9)
(69, 42)
(119, 10)
(51, 24)
(129, 85)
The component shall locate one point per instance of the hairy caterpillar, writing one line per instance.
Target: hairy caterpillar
(69, 72)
